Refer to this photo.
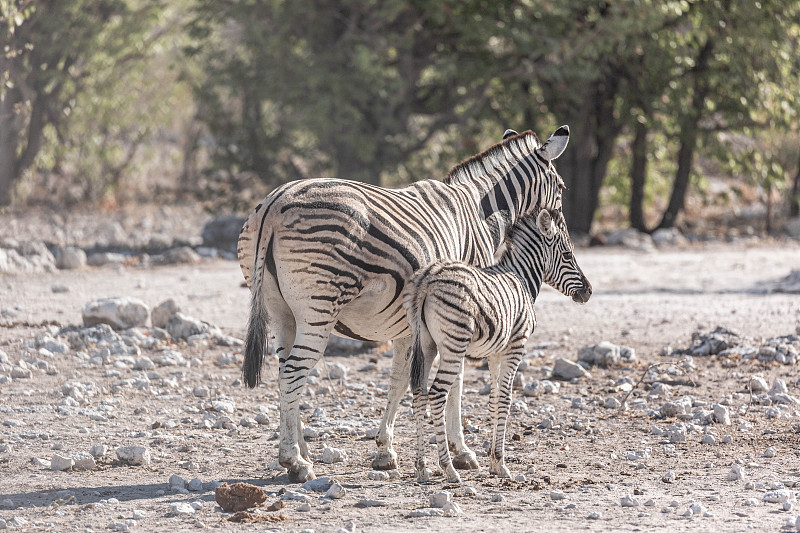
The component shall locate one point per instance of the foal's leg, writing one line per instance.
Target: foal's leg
(463, 458)
(420, 408)
(450, 364)
(506, 368)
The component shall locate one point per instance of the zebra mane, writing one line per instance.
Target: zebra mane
(501, 156)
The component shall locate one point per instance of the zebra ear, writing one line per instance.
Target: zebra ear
(509, 133)
(545, 223)
(556, 144)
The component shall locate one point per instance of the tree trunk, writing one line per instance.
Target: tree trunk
(9, 140)
(594, 130)
(688, 139)
(638, 176)
(794, 200)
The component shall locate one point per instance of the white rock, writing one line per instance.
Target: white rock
(163, 312)
(566, 369)
(595, 515)
(372, 503)
(304, 507)
(770, 452)
(721, 414)
(201, 391)
(119, 313)
(441, 498)
(708, 438)
(98, 450)
(134, 455)
(336, 492)
(295, 496)
(19, 372)
(181, 508)
(425, 512)
(333, 455)
(144, 363)
(556, 495)
(737, 473)
(611, 403)
(378, 475)
(337, 371)
(84, 461)
(138, 514)
(452, 509)
(758, 385)
(629, 501)
(779, 496)
(669, 477)
(59, 462)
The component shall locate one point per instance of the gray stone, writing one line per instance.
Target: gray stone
(98, 450)
(793, 227)
(440, 499)
(181, 508)
(566, 369)
(320, 484)
(668, 237)
(163, 312)
(181, 255)
(119, 313)
(336, 492)
(70, 258)
(223, 232)
(195, 485)
(181, 326)
(333, 455)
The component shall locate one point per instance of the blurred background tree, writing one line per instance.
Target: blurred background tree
(102, 100)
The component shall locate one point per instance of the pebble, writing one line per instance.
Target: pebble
(778, 496)
(440, 499)
(498, 498)
(304, 507)
(611, 403)
(425, 512)
(333, 455)
(556, 495)
(568, 370)
(292, 495)
(83, 461)
(138, 514)
(372, 503)
(708, 438)
(721, 414)
(195, 485)
(669, 477)
(59, 462)
(320, 484)
(335, 492)
(736, 473)
(337, 371)
(595, 515)
(629, 501)
(98, 450)
(134, 455)
(119, 313)
(378, 475)
(770, 452)
(181, 508)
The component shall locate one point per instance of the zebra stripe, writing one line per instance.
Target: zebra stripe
(464, 311)
(325, 255)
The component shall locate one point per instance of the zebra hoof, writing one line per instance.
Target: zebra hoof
(385, 460)
(301, 474)
(466, 461)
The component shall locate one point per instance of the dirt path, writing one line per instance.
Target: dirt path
(577, 456)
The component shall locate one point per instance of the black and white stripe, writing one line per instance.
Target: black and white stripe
(330, 255)
(465, 311)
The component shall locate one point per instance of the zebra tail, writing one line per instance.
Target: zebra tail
(257, 328)
(417, 355)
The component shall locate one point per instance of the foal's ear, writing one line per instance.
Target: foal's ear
(545, 223)
(509, 133)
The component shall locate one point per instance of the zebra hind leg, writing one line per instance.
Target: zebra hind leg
(463, 457)
(386, 457)
(440, 389)
(307, 350)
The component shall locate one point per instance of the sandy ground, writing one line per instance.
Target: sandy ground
(645, 300)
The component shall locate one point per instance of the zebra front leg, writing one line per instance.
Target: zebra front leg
(386, 457)
(507, 369)
(463, 458)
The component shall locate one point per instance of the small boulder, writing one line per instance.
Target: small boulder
(134, 455)
(163, 312)
(70, 258)
(239, 497)
(119, 313)
(568, 370)
(223, 232)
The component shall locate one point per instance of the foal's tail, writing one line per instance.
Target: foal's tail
(257, 324)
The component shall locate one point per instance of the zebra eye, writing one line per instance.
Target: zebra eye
(568, 255)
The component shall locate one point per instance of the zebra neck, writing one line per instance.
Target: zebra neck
(528, 273)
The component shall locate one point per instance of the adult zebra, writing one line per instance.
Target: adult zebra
(324, 255)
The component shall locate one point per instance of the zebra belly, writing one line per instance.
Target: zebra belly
(374, 315)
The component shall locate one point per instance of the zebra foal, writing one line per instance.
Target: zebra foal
(464, 311)
(331, 255)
